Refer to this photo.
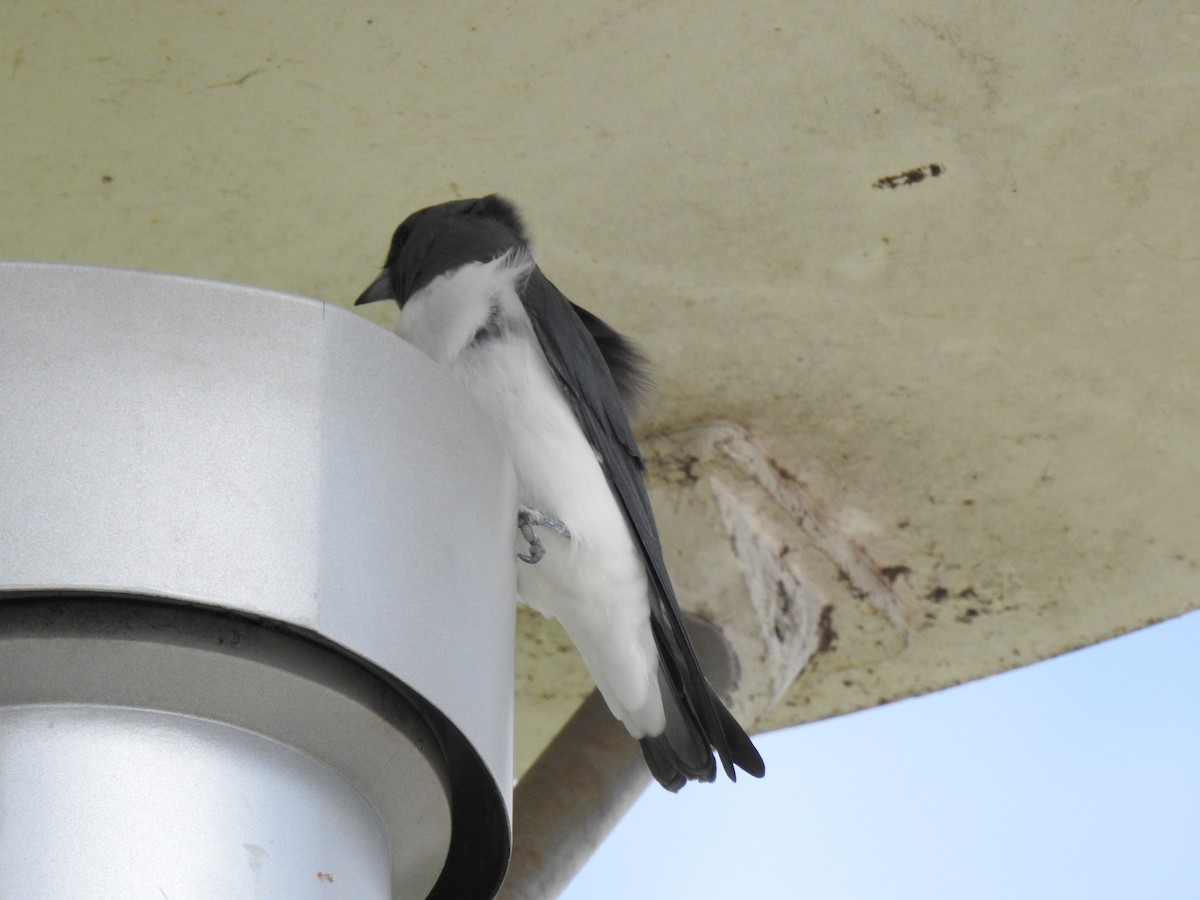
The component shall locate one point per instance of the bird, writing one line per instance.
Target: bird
(562, 387)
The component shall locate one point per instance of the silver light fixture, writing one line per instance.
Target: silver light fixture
(256, 612)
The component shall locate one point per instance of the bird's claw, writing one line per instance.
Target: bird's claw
(527, 517)
(536, 550)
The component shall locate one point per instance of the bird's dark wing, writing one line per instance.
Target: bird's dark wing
(624, 360)
(568, 337)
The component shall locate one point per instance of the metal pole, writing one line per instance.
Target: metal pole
(584, 782)
(570, 799)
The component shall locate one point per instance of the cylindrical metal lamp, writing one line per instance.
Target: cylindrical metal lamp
(256, 600)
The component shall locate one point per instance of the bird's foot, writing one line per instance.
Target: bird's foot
(527, 517)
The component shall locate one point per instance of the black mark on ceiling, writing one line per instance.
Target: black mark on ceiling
(688, 465)
(826, 635)
(237, 82)
(784, 598)
(855, 591)
(783, 623)
(909, 177)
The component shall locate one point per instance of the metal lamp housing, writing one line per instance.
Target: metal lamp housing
(256, 600)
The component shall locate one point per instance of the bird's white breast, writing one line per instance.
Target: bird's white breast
(472, 320)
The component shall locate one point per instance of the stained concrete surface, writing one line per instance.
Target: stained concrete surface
(985, 379)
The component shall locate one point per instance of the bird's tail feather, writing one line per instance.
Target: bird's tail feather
(680, 753)
(684, 750)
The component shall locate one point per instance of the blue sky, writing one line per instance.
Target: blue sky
(1078, 777)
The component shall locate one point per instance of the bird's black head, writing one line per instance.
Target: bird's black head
(439, 239)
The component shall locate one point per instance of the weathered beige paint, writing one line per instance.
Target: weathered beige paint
(990, 378)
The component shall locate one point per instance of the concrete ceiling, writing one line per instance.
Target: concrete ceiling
(919, 278)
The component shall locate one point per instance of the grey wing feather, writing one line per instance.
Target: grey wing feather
(568, 340)
(625, 362)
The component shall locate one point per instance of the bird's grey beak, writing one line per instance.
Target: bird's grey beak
(380, 289)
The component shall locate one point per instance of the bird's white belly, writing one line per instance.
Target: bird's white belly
(594, 583)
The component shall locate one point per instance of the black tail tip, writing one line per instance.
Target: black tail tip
(670, 769)
(673, 772)
(745, 756)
